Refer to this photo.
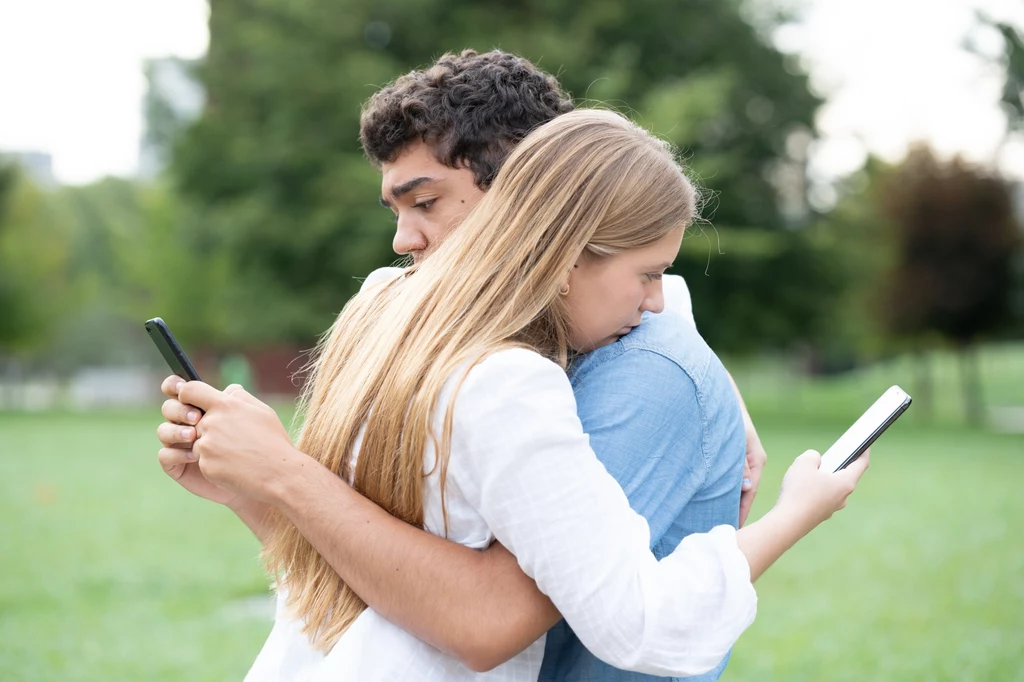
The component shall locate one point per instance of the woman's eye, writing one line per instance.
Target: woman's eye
(652, 276)
(424, 204)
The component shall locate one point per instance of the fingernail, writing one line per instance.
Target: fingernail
(746, 483)
(178, 386)
(192, 416)
(190, 455)
(186, 432)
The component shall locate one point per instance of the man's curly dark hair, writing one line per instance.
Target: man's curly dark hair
(470, 109)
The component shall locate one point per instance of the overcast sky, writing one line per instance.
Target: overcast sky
(71, 79)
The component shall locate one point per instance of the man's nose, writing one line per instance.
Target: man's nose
(408, 237)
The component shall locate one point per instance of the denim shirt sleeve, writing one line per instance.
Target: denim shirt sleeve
(644, 420)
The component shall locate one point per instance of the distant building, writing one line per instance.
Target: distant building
(38, 166)
(173, 99)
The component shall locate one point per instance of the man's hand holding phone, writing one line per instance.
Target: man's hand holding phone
(240, 443)
(177, 436)
(182, 455)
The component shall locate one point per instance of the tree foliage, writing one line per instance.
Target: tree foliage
(956, 242)
(274, 161)
(34, 259)
(956, 239)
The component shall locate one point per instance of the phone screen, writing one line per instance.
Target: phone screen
(865, 430)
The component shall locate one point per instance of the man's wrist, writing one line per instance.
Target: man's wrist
(294, 481)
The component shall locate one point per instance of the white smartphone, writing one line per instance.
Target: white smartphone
(865, 430)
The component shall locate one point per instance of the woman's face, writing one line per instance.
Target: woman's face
(608, 295)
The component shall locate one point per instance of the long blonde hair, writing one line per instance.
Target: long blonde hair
(587, 181)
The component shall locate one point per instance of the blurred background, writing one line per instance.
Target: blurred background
(863, 164)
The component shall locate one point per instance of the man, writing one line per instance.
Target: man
(659, 415)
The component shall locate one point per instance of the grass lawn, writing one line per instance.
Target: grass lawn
(921, 577)
(111, 572)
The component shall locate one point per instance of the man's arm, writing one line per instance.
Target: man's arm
(477, 606)
(756, 459)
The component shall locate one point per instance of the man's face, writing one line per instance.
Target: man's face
(427, 198)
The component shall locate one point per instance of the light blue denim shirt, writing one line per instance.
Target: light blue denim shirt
(664, 420)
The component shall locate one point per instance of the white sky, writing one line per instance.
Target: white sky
(71, 78)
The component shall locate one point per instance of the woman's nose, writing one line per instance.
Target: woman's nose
(655, 301)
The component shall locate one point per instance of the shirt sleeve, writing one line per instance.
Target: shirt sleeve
(522, 460)
(379, 276)
(677, 297)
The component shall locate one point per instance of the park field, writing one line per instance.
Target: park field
(111, 572)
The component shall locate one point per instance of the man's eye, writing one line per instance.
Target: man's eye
(652, 276)
(424, 204)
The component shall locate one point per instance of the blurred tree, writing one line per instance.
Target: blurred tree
(1012, 60)
(956, 238)
(274, 160)
(173, 99)
(1013, 104)
(138, 252)
(761, 290)
(34, 260)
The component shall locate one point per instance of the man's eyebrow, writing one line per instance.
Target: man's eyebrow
(398, 190)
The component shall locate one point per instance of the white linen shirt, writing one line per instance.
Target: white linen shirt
(521, 471)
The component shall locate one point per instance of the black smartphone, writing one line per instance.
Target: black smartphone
(859, 437)
(171, 350)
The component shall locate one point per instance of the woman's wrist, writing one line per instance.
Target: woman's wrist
(768, 538)
(796, 517)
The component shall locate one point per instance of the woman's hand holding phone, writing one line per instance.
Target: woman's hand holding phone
(811, 494)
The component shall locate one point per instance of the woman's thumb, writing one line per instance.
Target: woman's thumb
(810, 459)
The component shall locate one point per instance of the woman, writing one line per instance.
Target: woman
(442, 396)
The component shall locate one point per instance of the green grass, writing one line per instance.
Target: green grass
(777, 391)
(111, 572)
(921, 577)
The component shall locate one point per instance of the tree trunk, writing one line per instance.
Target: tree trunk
(923, 403)
(970, 381)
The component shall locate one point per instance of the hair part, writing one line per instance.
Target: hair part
(586, 181)
(470, 109)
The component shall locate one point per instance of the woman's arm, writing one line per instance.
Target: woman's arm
(809, 496)
(521, 458)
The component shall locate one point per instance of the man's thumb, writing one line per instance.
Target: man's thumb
(236, 391)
